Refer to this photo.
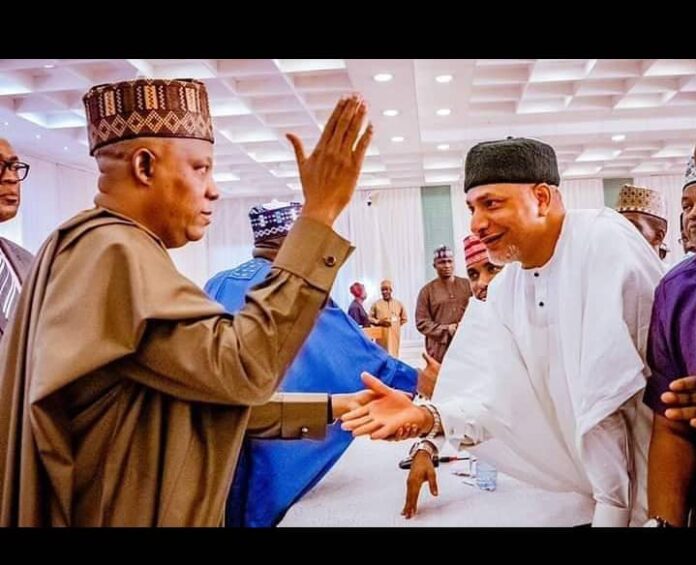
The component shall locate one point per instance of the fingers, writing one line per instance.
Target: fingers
(681, 414)
(432, 480)
(382, 431)
(298, 147)
(350, 417)
(684, 384)
(335, 142)
(333, 120)
(363, 144)
(371, 428)
(357, 422)
(354, 127)
(679, 399)
(375, 384)
(412, 491)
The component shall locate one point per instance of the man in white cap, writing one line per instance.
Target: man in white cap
(645, 208)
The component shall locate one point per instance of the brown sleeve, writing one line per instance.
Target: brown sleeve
(154, 326)
(290, 416)
(424, 322)
(240, 359)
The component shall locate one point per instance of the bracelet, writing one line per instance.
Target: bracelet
(437, 422)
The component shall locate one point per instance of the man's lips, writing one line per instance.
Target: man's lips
(490, 239)
(9, 198)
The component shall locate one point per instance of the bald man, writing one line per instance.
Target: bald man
(15, 261)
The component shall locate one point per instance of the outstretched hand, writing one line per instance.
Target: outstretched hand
(389, 414)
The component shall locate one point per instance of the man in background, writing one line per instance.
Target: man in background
(272, 475)
(389, 313)
(356, 310)
(645, 209)
(15, 261)
(441, 304)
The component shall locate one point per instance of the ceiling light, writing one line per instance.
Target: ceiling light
(390, 113)
(443, 146)
(444, 78)
(38, 136)
(383, 77)
(444, 112)
(49, 66)
(397, 139)
(618, 137)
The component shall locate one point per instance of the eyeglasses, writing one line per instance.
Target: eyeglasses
(17, 167)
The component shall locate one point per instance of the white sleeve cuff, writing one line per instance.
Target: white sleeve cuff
(606, 516)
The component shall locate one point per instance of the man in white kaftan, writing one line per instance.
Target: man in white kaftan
(552, 365)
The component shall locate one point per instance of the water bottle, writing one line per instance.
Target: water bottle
(486, 475)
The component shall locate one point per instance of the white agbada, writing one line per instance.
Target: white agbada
(552, 366)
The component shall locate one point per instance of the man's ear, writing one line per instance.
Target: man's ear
(542, 194)
(660, 234)
(143, 164)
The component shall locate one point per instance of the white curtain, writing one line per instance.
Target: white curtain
(388, 236)
(671, 188)
(582, 193)
(461, 224)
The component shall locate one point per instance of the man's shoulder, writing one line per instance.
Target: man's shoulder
(604, 226)
(605, 235)
(101, 230)
(245, 271)
(682, 278)
(16, 249)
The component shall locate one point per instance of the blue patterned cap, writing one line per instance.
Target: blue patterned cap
(273, 219)
(443, 252)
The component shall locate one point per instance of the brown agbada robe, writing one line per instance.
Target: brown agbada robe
(395, 312)
(440, 304)
(124, 390)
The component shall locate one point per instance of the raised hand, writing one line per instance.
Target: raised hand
(330, 173)
(427, 378)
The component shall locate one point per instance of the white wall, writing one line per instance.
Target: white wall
(51, 194)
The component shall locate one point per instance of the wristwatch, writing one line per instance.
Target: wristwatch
(428, 447)
(657, 522)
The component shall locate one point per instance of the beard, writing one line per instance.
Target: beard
(509, 253)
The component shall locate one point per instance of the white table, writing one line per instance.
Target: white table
(366, 488)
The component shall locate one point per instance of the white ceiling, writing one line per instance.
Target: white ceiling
(576, 105)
